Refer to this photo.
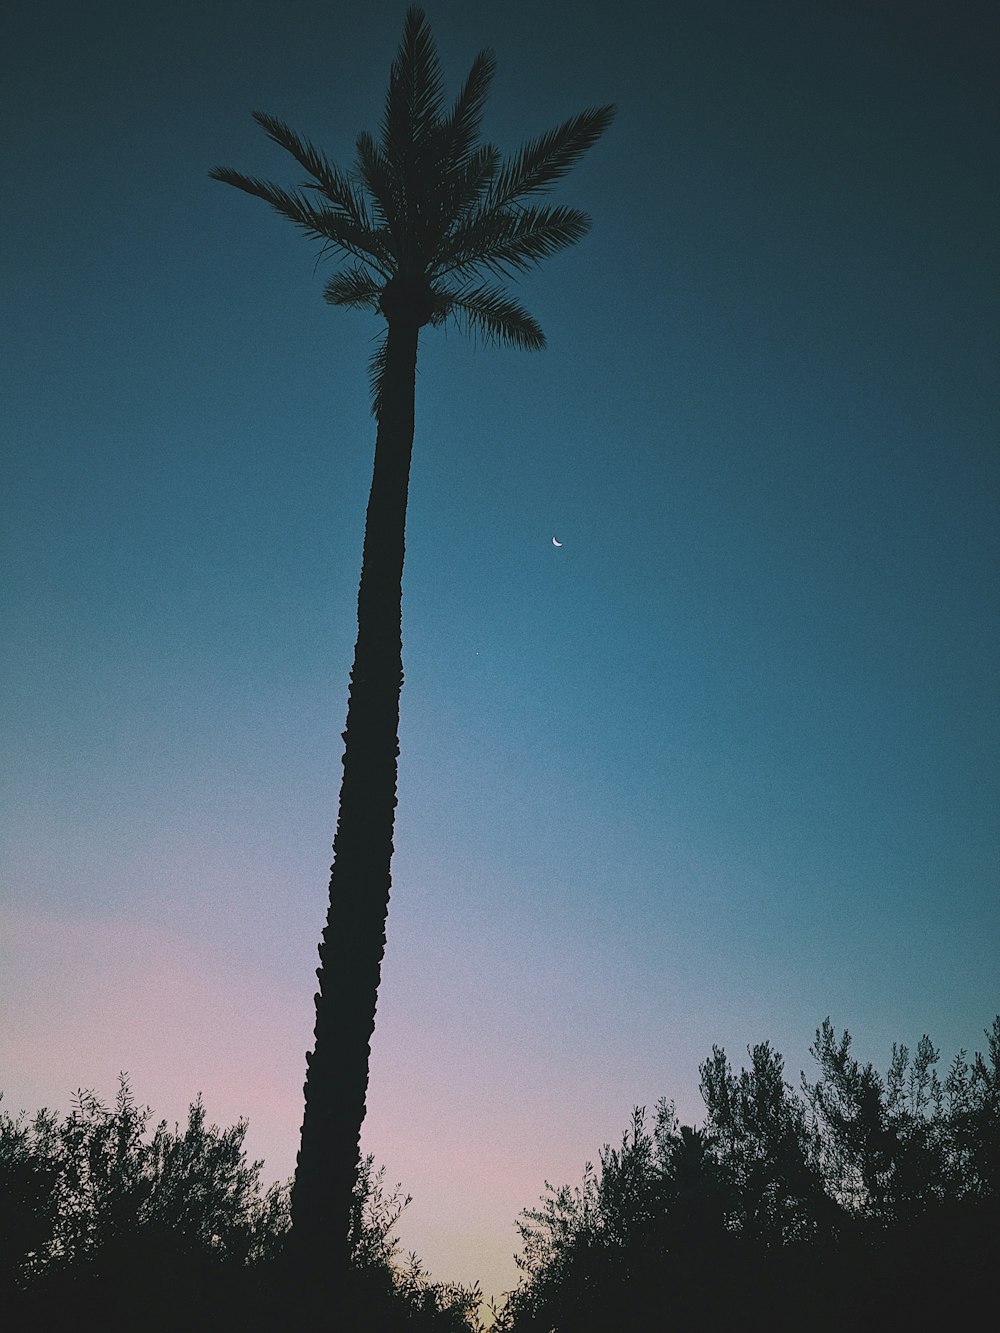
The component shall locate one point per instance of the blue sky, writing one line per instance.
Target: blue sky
(723, 764)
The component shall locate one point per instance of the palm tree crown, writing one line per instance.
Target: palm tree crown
(429, 213)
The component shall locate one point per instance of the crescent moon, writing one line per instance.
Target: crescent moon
(555, 543)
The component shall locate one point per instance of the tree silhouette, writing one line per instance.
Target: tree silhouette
(862, 1202)
(104, 1225)
(758, 1127)
(425, 219)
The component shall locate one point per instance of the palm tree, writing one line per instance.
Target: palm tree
(426, 215)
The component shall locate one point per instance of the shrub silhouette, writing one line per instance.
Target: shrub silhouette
(859, 1201)
(103, 1225)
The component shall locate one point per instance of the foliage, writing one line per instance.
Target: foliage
(889, 1150)
(75, 1192)
(429, 215)
(397, 1290)
(859, 1200)
(758, 1128)
(104, 1223)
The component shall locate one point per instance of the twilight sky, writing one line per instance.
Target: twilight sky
(724, 764)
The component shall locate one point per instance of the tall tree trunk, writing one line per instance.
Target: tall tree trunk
(353, 941)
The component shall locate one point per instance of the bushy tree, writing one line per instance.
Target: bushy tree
(891, 1149)
(631, 1243)
(105, 1225)
(102, 1222)
(29, 1174)
(757, 1126)
(860, 1200)
(389, 1291)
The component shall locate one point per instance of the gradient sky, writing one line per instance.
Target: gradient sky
(723, 765)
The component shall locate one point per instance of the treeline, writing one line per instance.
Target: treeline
(105, 1226)
(856, 1201)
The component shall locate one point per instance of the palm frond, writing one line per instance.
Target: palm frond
(461, 126)
(414, 100)
(459, 193)
(380, 181)
(354, 287)
(506, 240)
(333, 183)
(293, 206)
(327, 225)
(546, 159)
(492, 312)
(376, 374)
(451, 163)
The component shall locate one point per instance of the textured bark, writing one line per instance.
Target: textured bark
(353, 941)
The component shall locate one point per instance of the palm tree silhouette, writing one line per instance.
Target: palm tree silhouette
(427, 214)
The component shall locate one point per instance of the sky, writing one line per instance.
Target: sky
(723, 764)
